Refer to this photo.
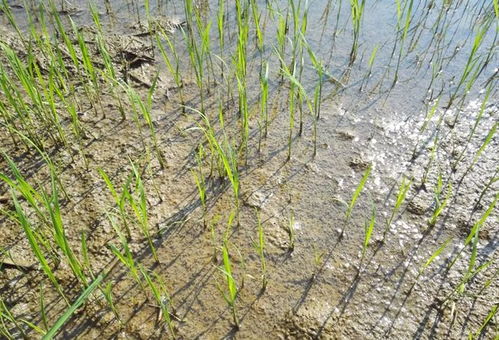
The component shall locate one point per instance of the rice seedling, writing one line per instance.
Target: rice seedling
(88, 66)
(240, 64)
(368, 232)
(199, 178)
(281, 39)
(19, 184)
(62, 33)
(318, 263)
(43, 310)
(119, 199)
(436, 72)
(493, 310)
(139, 207)
(37, 102)
(52, 206)
(4, 329)
(196, 54)
(49, 90)
(173, 68)
(243, 111)
(472, 240)
(300, 98)
(296, 90)
(107, 292)
(355, 196)
(319, 68)
(486, 142)
(109, 68)
(432, 258)
(230, 296)
(34, 240)
(229, 160)
(225, 153)
(304, 19)
(494, 178)
(43, 90)
(7, 316)
(5, 9)
(473, 270)
(488, 282)
(439, 204)
(292, 102)
(401, 195)
(8, 120)
(357, 10)
(197, 64)
(408, 5)
(77, 127)
(40, 34)
(211, 140)
(258, 29)
(125, 255)
(84, 254)
(370, 64)
(230, 223)
(204, 29)
(478, 119)
(295, 43)
(472, 64)
(398, 5)
(431, 159)
(161, 298)
(69, 312)
(473, 237)
(318, 259)
(109, 72)
(221, 33)
(85, 69)
(429, 115)
(21, 111)
(139, 107)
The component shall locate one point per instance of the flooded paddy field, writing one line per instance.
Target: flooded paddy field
(249, 169)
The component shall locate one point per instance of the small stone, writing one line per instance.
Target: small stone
(416, 208)
(346, 135)
(258, 199)
(358, 164)
(313, 167)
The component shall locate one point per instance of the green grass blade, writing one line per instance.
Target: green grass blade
(69, 312)
(357, 192)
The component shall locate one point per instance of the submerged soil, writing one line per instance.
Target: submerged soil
(319, 283)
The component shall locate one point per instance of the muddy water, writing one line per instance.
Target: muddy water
(322, 287)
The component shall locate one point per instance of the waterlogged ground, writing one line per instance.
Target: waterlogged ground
(319, 284)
